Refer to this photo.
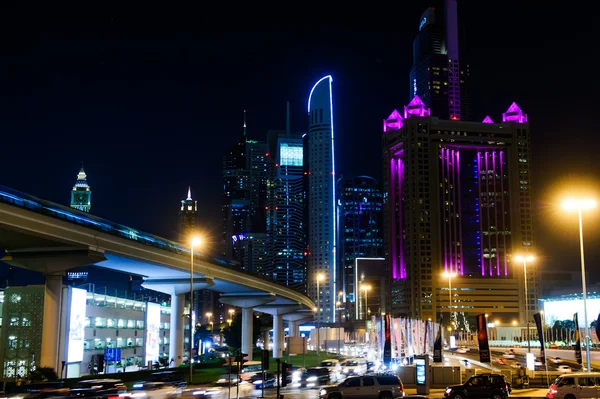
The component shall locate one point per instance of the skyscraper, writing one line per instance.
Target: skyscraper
(81, 195)
(189, 217)
(458, 200)
(285, 209)
(440, 72)
(361, 232)
(244, 190)
(322, 229)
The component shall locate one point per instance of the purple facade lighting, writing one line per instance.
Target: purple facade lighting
(393, 122)
(480, 211)
(416, 107)
(505, 260)
(397, 221)
(514, 114)
(487, 119)
(452, 229)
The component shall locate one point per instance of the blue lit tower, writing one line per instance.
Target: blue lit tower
(81, 193)
(286, 240)
(360, 211)
(321, 198)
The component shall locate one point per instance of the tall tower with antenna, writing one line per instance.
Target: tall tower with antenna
(81, 194)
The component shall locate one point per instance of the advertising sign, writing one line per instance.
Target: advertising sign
(577, 340)
(420, 366)
(482, 337)
(112, 354)
(437, 346)
(540, 328)
(152, 332)
(387, 343)
(76, 324)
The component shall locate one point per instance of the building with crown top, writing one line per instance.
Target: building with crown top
(81, 195)
(458, 210)
(189, 217)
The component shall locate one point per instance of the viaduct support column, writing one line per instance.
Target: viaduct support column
(294, 328)
(176, 330)
(278, 336)
(51, 324)
(247, 301)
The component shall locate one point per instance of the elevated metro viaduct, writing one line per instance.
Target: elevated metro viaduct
(52, 239)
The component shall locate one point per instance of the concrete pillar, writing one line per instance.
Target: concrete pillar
(51, 322)
(294, 328)
(177, 330)
(247, 331)
(278, 336)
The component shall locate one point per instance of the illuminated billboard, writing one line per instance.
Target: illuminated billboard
(78, 298)
(558, 310)
(152, 332)
(290, 154)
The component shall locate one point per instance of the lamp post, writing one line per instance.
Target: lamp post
(449, 276)
(366, 288)
(526, 259)
(195, 243)
(319, 278)
(580, 205)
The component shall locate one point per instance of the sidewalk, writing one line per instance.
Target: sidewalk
(517, 393)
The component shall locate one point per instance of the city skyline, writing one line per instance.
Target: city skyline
(117, 198)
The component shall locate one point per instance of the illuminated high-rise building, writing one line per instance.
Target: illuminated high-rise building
(360, 212)
(286, 240)
(189, 217)
(81, 195)
(322, 229)
(458, 200)
(440, 72)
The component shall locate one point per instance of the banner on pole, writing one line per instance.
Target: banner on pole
(482, 337)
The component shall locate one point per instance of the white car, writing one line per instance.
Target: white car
(153, 390)
(563, 368)
(334, 366)
(556, 360)
(509, 355)
(462, 350)
(355, 366)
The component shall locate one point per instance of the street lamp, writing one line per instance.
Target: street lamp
(449, 276)
(195, 242)
(366, 288)
(319, 278)
(580, 205)
(525, 259)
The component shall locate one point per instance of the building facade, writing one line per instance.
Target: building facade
(440, 72)
(321, 198)
(101, 322)
(286, 241)
(458, 201)
(360, 214)
(81, 194)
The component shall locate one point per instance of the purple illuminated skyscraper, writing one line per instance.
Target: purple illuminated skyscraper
(458, 203)
(440, 72)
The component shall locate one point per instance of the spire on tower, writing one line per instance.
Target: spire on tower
(287, 119)
(189, 197)
(244, 123)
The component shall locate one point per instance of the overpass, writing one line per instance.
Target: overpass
(50, 238)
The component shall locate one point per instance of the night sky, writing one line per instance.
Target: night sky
(151, 111)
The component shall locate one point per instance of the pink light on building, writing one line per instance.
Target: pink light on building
(416, 107)
(487, 119)
(393, 122)
(514, 114)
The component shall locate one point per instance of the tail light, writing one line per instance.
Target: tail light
(551, 391)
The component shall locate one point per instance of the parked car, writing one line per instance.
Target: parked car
(480, 386)
(380, 386)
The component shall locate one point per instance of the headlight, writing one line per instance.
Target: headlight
(322, 392)
(311, 379)
(448, 391)
(346, 370)
(258, 382)
(138, 385)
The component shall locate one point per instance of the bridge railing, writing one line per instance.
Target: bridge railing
(48, 208)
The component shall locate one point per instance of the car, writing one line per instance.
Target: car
(293, 374)
(556, 360)
(356, 366)
(574, 385)
(509, 355)
(173, 378)
(380, 386)
(269, 380)
(335, 369)
(488, 385)
(563, 368)
(98, 388)
(501, 361)
(315, 376)
(516, 365)
(154, 390)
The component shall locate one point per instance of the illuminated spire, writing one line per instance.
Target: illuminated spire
(244, 123)
(189, 197)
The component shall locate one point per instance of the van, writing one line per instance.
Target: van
(575, 385)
